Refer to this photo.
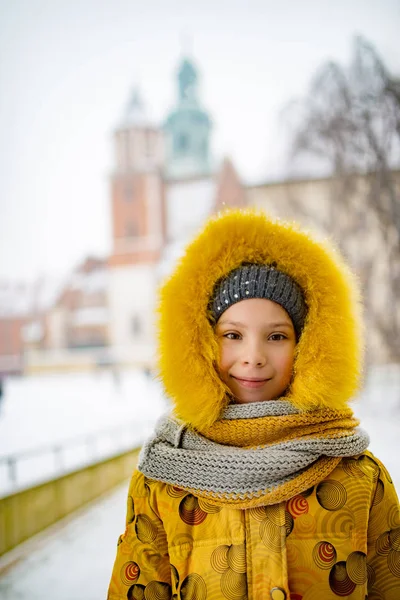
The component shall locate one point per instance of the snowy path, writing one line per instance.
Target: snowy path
(74, 562)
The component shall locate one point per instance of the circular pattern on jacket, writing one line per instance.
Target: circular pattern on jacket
(305, 524)
(208, 507)
(193, 588)
(219, 559)
(233, 585)
(351, 466)
(237, 558)
(368, 465)
(371, 576)
(382, 544)
(136, 592)
(393, 517)
(271, 536)
(394, 538)
(276, 514)
(174, 492)
(324, 555)
(190, 511)
(130, 572)
(393, 561)
(258, 513)
(379, 493)
(297, 506)
(158, 590)
(340, 521)
(293, 554)
(289, 523)
(146, 531)
(331, 494)
(356, 566)
(339, 580)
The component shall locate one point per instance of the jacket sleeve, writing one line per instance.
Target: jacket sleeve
(383, 556)
(142, 561)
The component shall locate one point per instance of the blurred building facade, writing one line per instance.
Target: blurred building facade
(359, 235)
(15, 309)
(164, 185)
(66, 323)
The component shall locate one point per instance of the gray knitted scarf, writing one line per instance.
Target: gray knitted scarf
(263, 473)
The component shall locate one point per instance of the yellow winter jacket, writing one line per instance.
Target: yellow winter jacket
(340, 544)
(340, 538)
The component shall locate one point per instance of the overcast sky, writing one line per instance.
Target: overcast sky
(66, 71)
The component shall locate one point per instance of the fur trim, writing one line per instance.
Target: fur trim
(328, 355)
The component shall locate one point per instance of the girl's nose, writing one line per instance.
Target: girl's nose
(253, 356)
(258, 363)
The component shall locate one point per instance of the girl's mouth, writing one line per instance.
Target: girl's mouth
(250, 383)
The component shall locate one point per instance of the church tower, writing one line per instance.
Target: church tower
(138, 232)
(137, 191)
(187, 130)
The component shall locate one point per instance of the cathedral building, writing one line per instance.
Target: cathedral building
(164, 186)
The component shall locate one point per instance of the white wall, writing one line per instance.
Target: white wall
(189, 203)
(132, 294)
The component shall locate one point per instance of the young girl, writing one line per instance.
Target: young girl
(259, 485)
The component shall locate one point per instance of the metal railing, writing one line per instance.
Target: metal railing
(30, 467)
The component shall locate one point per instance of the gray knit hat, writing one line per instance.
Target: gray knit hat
(259, 281)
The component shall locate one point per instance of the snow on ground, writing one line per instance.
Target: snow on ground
(379, 412)
(62, 421)
(74, 562)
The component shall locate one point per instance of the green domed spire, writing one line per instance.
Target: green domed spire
(187, 78)
(188, 129)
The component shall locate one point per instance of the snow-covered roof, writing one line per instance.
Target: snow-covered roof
(21, 299)
(90, 283)
(15, 299)
(90, 315)
(49, 291)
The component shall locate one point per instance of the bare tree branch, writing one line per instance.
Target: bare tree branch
(351, 120)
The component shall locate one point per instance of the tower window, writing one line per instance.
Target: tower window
(149, 144)
(182, 142)
(131, 230)
(128, 192)
(136, 326)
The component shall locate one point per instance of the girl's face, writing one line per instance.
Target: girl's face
(257, 341)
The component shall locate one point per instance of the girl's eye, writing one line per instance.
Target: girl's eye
(277, 337)
(231, 336)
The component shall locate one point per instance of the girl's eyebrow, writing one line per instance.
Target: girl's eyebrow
(240, 324)
(234, 323)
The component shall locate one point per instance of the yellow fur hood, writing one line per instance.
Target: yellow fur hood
(328, 355)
